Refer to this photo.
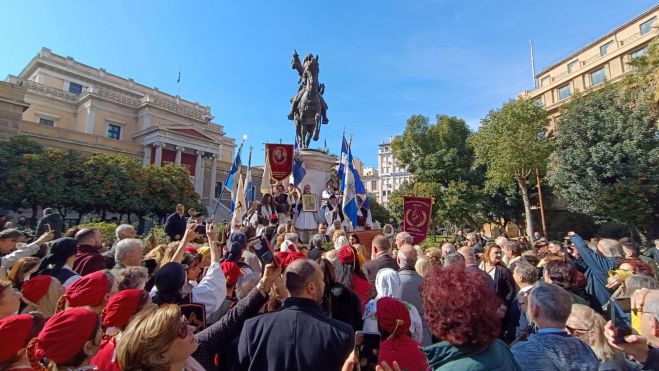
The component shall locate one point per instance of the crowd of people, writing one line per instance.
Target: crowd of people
(275, 294)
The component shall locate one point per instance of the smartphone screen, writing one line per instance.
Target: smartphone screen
(621, 328)
(263, 251)
(367, 348)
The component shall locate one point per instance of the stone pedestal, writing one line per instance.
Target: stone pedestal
(318, 166)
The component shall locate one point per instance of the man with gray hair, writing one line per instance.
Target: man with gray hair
(473, 241)
(122, 232)
(447, 248)
(551, 347)
(380, 258)
(410, 282)
(403, 238)
(598, 264)
(128, 253)
(525, 276)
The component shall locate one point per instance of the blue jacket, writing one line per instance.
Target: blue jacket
(597, 270)
(556, 351)
(298, 337)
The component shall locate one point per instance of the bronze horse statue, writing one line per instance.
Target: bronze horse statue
(308, 109)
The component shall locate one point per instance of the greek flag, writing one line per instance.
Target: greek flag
(230, 184)
(350, 192)
(343, 161)
(299, 171)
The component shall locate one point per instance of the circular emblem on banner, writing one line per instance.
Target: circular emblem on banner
(416, 218)
(279, 155)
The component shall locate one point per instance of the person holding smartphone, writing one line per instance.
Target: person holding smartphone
(282, 340)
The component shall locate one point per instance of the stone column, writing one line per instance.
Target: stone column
(211, 195)
(147, 155)
(179, 151)
(199, 173)
(91, 117)
(158, 160)
(146, 121)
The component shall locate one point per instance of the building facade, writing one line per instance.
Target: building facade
(390, 174)
(70, 105)
(605, 59)
(371, 182)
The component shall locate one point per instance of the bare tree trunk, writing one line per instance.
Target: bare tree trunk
(642, 235)
(521, 182)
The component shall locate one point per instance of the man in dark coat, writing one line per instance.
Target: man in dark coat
(299, 336)
(175, 223)
(381, 258)
(52, 218)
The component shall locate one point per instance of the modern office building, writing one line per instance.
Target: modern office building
(605, 59)
(390, 174)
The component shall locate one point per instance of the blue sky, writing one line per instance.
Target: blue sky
(381, 61)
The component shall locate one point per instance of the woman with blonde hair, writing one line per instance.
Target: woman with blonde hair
(41, 294)
(159, 339)
(422, 266)
(339, 233)
(157, 254)
(22, 269)
(588, 325)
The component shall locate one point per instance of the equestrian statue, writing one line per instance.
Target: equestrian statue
(308, 108)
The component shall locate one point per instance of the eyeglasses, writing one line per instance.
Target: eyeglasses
(183, 330)
(573, 330)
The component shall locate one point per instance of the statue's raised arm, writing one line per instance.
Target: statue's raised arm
(296, 64)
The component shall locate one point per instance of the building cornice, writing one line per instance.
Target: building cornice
(599, 40)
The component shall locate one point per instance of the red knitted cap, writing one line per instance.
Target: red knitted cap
(64, 335)
(231, 272)
(121, 307)
(89, 290)
(393, 316)
(36, 288)
(15, 329)
(347, 254)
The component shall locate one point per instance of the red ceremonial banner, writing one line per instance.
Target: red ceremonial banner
(416, 216)
(281, 160)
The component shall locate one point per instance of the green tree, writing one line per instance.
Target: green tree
(606, 162)
(442, 163)
(645, 77)
(11, 168)
(511, 144)
(165, 186)
(379, 213)
(112, 182)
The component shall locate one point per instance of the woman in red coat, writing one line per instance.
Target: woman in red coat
(397, 345)
(350, 274)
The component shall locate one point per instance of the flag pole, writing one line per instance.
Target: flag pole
(224, 185)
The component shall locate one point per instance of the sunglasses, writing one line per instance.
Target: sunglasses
(184, 329)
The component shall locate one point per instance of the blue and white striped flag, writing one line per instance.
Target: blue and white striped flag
(350, 192)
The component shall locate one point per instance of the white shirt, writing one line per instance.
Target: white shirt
(27, 250)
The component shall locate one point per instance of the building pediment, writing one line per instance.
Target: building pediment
(191, 132)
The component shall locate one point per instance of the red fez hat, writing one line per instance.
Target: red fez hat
(191, 250)
(347, 254)
(120, 307)
(15, 329)
(63, 336)
(274, 217)
(231, 272)
(89, 290)
(36, 288)
(393, 316)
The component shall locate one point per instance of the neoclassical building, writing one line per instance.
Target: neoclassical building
(69, 105)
